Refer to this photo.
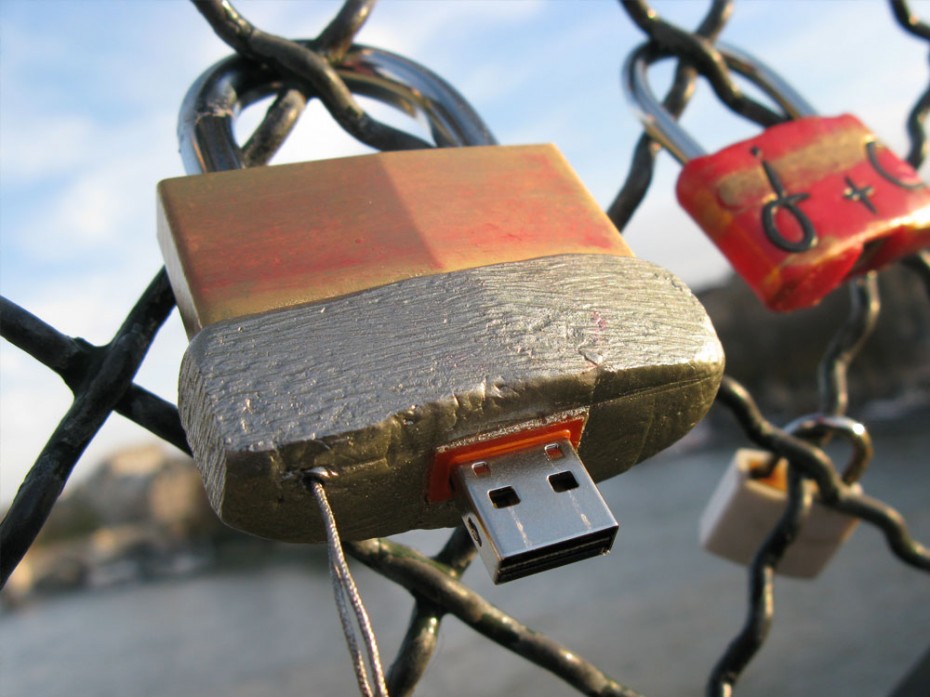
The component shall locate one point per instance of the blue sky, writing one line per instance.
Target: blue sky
(89, 93)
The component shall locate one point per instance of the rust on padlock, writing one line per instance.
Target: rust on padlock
(407, 214)
(763, 471)
(806, 205)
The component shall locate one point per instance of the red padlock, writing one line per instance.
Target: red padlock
(800, 208)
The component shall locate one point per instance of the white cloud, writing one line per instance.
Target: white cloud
(30, 395)
(103, 204)
(66, 143)
(415, 29)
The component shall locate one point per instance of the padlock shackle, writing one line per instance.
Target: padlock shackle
(792, 103)
(827, 425)
(205, 122)
(665, 129)
(209, 110)
(391, 78)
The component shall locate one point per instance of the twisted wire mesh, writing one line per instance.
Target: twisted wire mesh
(101, 377)
(805, 459)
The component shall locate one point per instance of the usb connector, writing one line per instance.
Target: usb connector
(532, 509)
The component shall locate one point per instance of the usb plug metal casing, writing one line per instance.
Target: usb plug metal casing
(532, 509)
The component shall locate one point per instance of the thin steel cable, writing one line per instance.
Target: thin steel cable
(344, 589)
(453, 122)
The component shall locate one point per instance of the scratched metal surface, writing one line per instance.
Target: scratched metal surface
(371, 384)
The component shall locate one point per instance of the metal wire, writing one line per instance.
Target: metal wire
(101, 379)
(916, 125)
(666, 130)
(865, 305)
(431, 580)
(642, 167)
(805, 459)
(920, 264)
(761, 598)
(371, 677)
(289, 58)
(331, 69)
(702, 54)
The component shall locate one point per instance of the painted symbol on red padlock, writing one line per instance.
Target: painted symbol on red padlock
(803, 206)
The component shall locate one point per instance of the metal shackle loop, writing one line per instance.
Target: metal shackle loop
(821, 425)
(665, 129)
(209, 110)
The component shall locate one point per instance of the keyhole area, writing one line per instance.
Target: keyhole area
(504, 497)
(473, 529)
(563, 481)
(554, 451)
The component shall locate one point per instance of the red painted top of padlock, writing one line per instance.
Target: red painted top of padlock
(806, 205)
(247, 241)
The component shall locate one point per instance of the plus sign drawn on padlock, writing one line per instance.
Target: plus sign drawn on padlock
(859, 194)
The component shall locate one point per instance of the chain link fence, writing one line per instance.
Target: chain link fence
(102, 377)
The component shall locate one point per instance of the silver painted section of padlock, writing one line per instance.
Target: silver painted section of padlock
(665, 129)
(205, 127)
(265, 400)
(369, 385)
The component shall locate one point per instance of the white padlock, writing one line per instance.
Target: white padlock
(744, 510)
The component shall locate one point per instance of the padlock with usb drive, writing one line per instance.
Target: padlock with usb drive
(448, 333)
